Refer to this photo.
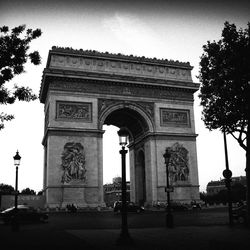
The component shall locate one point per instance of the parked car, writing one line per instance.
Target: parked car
(131, 207)
(24, 214)
(240, 214)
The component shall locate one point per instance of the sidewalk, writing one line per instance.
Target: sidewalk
(202, 238)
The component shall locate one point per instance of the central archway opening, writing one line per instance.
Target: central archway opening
(112, 166)
(111, 156)
(137, 127)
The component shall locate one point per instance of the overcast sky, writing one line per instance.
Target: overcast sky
(163, 29)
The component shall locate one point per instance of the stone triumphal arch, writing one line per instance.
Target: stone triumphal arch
(152, 98)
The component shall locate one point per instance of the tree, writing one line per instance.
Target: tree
(40, 192)
(28, 191)
(225, 88)
(238, 192)
(6, 189)
(14, 46)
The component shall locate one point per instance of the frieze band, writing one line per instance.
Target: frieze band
(119, 89)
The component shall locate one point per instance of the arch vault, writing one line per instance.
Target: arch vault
(153, 99)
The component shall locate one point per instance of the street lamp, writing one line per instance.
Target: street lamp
(124, 238)
(17, 159)
(227, 173)
(169, 216)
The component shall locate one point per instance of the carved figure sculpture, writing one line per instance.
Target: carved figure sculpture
(73, 162)
(178, 165)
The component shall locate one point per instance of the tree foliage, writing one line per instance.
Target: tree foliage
(28, 191)
(14, 53)
(225, 82)
(41, 192)
(238, 193)
(6, 189)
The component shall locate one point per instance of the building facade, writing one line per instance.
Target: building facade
(113, 191)
(214, 187)
(153, 98)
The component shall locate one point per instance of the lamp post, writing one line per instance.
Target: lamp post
(124, 238)
(169, 215)
(227, 173)
(17, 159)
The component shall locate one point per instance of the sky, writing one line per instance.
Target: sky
(174, 30)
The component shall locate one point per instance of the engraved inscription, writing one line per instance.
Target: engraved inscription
(74, 111)
(174, 117)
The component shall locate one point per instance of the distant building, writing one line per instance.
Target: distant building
(113, 191)
(214, 187)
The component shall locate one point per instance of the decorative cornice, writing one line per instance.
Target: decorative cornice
(174, 136)
(164, 136)
(115, 88)
(74, 75)
(55, 131)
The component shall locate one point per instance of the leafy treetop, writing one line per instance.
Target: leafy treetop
(28, 191)
(6, 189)
(14, 46)
(225, 82)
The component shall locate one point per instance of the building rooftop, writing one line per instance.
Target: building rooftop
(222, 181)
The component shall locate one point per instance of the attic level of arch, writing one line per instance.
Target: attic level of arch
(171, 90)
(119, 56)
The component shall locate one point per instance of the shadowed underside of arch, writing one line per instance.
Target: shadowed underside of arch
(130, 119)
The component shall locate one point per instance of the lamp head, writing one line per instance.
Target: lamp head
(167, 156)
(17, 159)
(123, 136)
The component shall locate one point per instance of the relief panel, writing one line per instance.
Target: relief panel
(178, 164)
(73, 163)
(74, 111)
(174, 117)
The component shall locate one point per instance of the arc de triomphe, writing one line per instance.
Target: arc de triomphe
(152, 98)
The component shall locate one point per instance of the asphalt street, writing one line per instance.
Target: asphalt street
(205, 229)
